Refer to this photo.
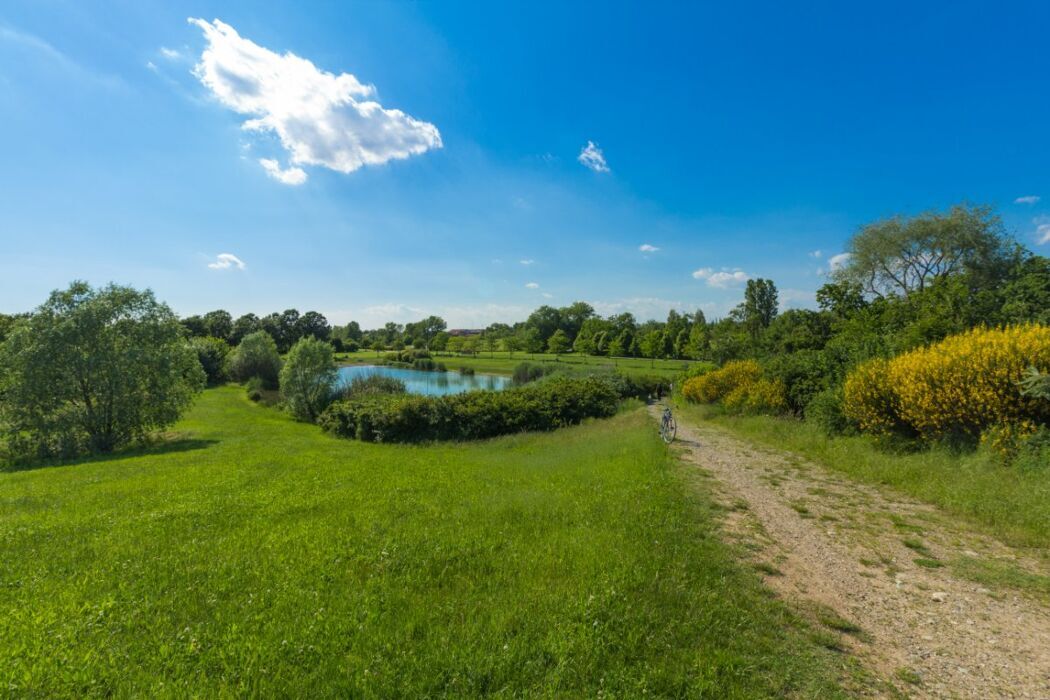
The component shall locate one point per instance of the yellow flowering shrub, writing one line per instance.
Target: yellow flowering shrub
(959, 386)
(716, 385)
(1007, 439)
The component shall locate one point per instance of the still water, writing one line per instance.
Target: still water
(429, 383)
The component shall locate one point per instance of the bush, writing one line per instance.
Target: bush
(256, 356)
(826, 412)
(351, 346)
(716, 385)
(803, 374)
(307, 377)
(954, 389)
(213, 354)
(474, 415)
(254, 388)
(466, 371)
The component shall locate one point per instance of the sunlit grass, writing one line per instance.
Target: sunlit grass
(258, 556)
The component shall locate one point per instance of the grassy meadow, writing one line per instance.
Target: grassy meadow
(499, 362)
(253, 555)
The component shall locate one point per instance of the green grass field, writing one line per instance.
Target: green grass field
(252, 555)
(503, 363)
(1007, 503)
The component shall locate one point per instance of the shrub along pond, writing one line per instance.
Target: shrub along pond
(428, 383)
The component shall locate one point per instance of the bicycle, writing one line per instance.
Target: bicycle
(668, 426)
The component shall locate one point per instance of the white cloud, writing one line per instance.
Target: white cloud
(288, 176)
(41, 48)
(816, 254)
(226, 261)
(532, 285)
(320, 118)
(152, 66)
(837, 262)
(1027, 199)
(527, 261)
(592, 157)
(723, 279)
(1042, 233)
(646, 248)
(547, 295)
(170, 54)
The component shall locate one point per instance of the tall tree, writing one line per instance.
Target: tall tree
(559, 342)
(760, 305)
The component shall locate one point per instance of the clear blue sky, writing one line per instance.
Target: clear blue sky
(417, 153)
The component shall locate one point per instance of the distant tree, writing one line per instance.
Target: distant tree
(584, 344)
(841, 299)
(256, 356)
(652, 346)
(899, 256)
(531, 340)
(93, 369)
(698, 340)
(195, 326)
(455, 344)
(440, 342)
(213, 354)
(760, 305)
(559, 342)
(353, 331)
(681, 343)
(313, 325)
(246, 324)
(218, 324)
(7, 324)
(307, 378)
(378, 345)
(428, 328)
(573, 316)
(511, 344)
(544, 320)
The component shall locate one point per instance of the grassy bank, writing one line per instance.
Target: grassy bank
(503, 363)
(1011, 504)
(257, 556)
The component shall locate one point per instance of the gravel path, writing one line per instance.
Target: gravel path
(848, 554)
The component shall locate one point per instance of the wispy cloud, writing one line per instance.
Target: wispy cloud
(816, 254)
(532, 285)
(288, 176)
(320, 118)
(170, 54)
(527, 261)
(837, 262)
(1042, 230)
(58, 59)
(722, 279)
(646, 248)
(1027, 199)
(227, 261)
(592, 157)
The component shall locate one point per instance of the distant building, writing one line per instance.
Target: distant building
(465, 331)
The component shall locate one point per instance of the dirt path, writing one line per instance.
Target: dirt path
(849, 555)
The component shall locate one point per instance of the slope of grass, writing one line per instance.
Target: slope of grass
(258, 556)
(1012, 504)
(503, 363)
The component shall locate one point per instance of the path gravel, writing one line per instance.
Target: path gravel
(841, 551)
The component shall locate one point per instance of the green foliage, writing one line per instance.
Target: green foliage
(474, 415)
(213, 354)
(92, 370)
(526, 372)
(369, 385)
(825, 411)
(558, 343)
(307, 378)
(760, 305)
(1036, 384)
(803, 373)
(256, 356)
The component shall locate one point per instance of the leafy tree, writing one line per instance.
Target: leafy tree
(652, 345)
(559, 342)
(584, 344)
(7, 324)
(213, 354)
(307, 378)
(440, 342)
(244, 325)
(544, 320)
(427, 329)
(899, 256)
(760, 305)
(698, 340)
(218, 324)
(574, 316)
(531, 340)
(195, 326)
(256, 356)
(353, 331)
(312, 324)
(94, 369)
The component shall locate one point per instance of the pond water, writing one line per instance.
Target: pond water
(429, 383)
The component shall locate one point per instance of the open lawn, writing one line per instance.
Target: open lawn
(1005, 502)
(502, 363)
(255, 555)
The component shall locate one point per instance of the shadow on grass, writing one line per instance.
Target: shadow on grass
(158, 447)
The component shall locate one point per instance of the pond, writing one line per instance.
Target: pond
(429, 383)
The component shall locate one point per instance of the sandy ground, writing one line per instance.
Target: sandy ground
(836, 550)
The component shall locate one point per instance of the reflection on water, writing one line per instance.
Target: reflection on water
(429, 383)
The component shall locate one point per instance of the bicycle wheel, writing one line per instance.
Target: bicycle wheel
(668, 429)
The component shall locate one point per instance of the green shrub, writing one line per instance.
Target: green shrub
(804, 374)
(254, 388)
(369, 385)
(307, 377)
(213, 354)
(825, 411)
(547, 405)
(256, 356)
(526, 372)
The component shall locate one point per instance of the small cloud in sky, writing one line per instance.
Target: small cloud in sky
(816, 254)
(837, 262)
(592, 157)
(527, 261)
(227, 261)
(287, 176)
(152, 66)
(532, 285)
(646, 248)
(170, 54)
(1027, 199)
(723, 279)
(1042, 230)
(320, 118)
(547, 295)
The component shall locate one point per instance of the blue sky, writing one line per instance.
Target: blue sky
(426, 157)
